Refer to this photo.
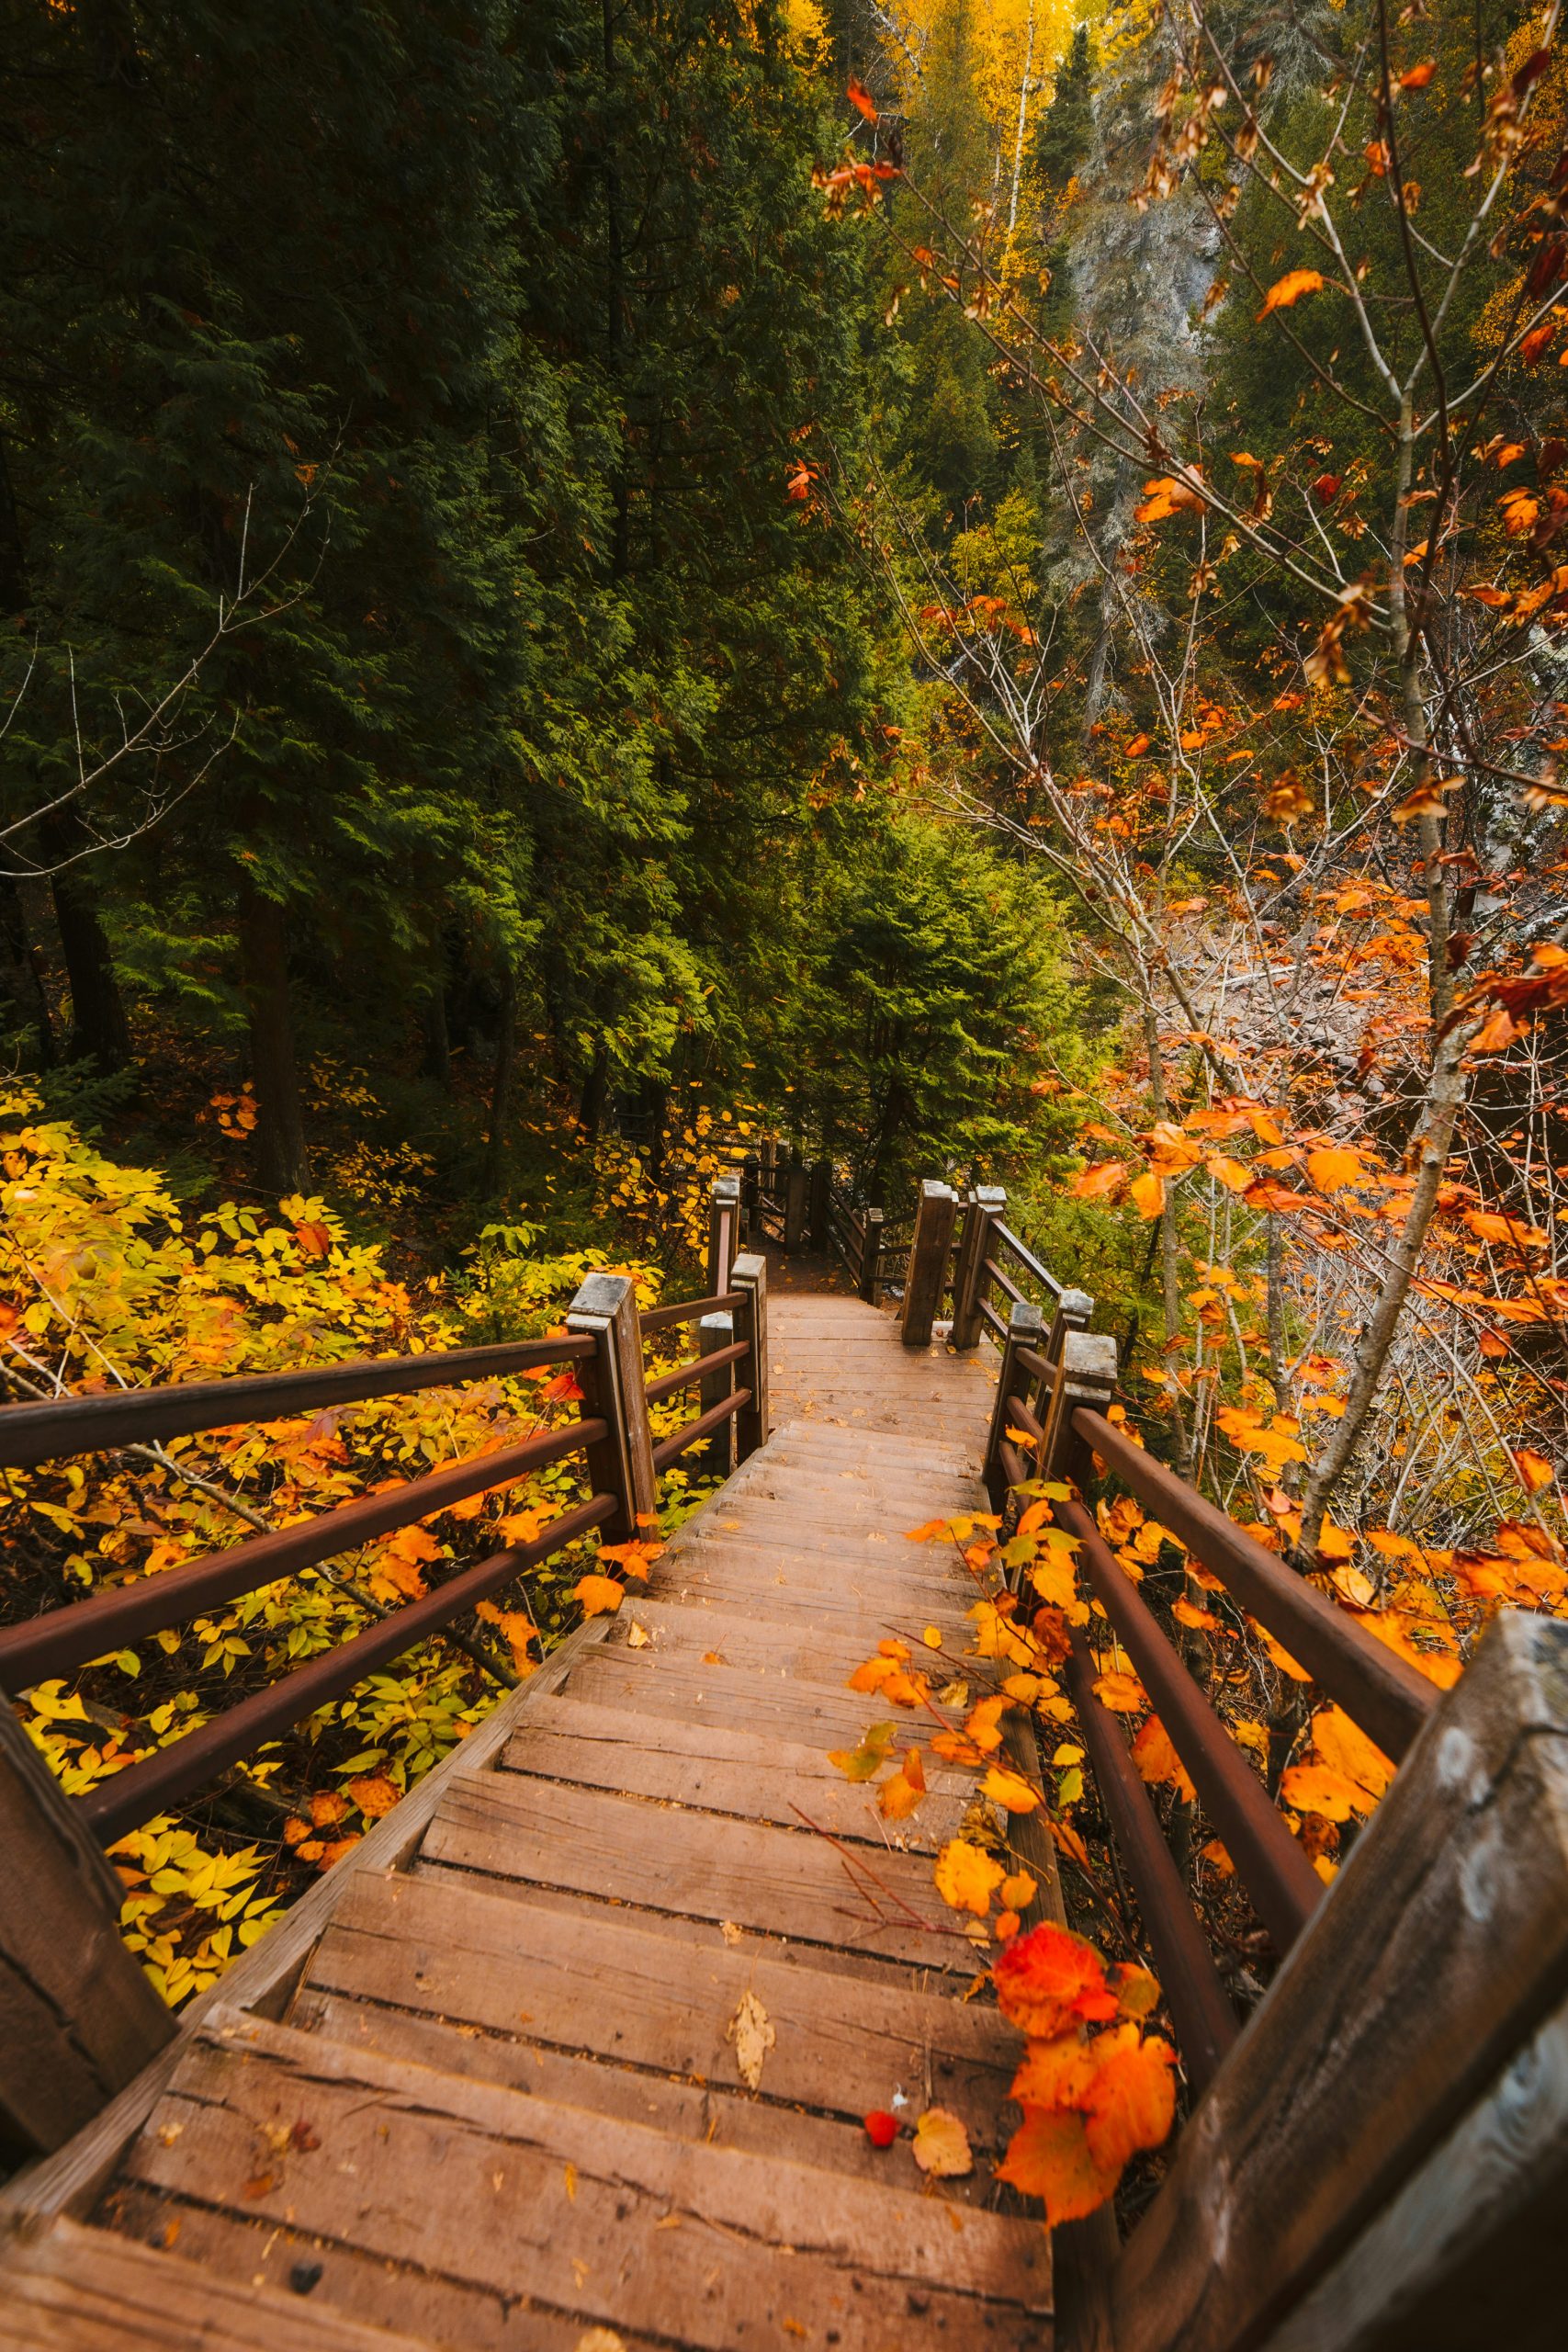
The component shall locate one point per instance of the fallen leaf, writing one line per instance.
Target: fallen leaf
(752, 2031)
(730, 1931)
(602, 2339)
(1049, 2158)
(637, 1636)
(572, 2183)
(966, 1876)
(933, 1637)
(864, 1762)
(1122, 1693)
(941, 2144)
(1019, 1891)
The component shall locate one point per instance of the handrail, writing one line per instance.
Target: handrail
(1378, 1689)
(176, 1770)
(606, 1339)
(684, 1375)
(686, 1310)
(692, 1432)
(80, 1631)
(33, 1433)
(1027, 1259)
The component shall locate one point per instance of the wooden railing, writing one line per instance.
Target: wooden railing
(1387, 2133)
(68, 1988)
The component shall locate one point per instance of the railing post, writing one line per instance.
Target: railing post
(1026, 1328)
(819, 1219)
(1085, 1374)
(714, 1332)
(751, 1196)
(613, 1382)
(748, 1275)
(798, 1199)
(982, 1210)
(929, 1250)
(80, 2018)
(724, 1239)
(871, 1257)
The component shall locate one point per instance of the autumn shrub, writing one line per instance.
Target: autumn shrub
(107, 1281)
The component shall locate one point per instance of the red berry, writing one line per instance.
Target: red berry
(881, 2129)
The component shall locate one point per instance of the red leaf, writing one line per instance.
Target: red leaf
(860, 97)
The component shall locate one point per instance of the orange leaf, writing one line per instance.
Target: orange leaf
(1332, 1170)
(1050, 1980)
(1534, 1469)
(1099, 1184)
(1289, 288)
(1314, 1788)
(1009, 1789)
(373, 1795)
(1019, 1891)
(1344, 1748)
(600, 1596)
(860, 97)
(1049, 2158)
(1232, 1173)
(1122, 1693)
(1146, 1194)
(1157, 1761)
(1131, 2101)
(1418, 76)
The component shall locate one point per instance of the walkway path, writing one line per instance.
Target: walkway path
(499, 2104)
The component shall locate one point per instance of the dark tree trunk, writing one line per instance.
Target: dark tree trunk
(24, 977)
(436, 1058)
(595, 1093)
(500, 1088)
(283, 1162)
(99, 1030)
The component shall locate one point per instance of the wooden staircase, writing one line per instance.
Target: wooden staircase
(492, 2094)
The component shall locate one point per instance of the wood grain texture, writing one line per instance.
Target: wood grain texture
(1441, 1947)
(1471, 2252)
(473, 2180)
(85, 2291)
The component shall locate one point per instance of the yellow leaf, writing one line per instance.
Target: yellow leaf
(933, 1637)
(1009, 1791)
(1019, 1891)
(752, 2031)
(941, 2144)
(966, 1876)
(1334, 1171)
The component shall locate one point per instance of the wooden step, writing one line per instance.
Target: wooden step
(825, 1714)
(515, 1832)
(78, 2289)
(714, 1768)
(615, 2223)
(822, 1646)
(407, 1950)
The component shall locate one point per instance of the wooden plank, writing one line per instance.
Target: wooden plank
(582, 2212)
(720, 2116)
(436, 2311)
(264, 1978)
(89, 2291)
(766, 1592)
(1441, 1947)
(720, 1770)
(78, 2018)
(1470, 2252)
(818, 1648)
(694, 1865)
(803, 1711)
(663, 2006)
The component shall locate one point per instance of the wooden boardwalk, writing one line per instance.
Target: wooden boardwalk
(492, 2095)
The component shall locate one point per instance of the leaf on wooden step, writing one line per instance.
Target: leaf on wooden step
(637, 1636)
(864, 1762)
(941, 2144)
(730, 1931)
(600, 2340)
(1019, 1891)
(966, 1876)
(750, 2029)
(898, 1796)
